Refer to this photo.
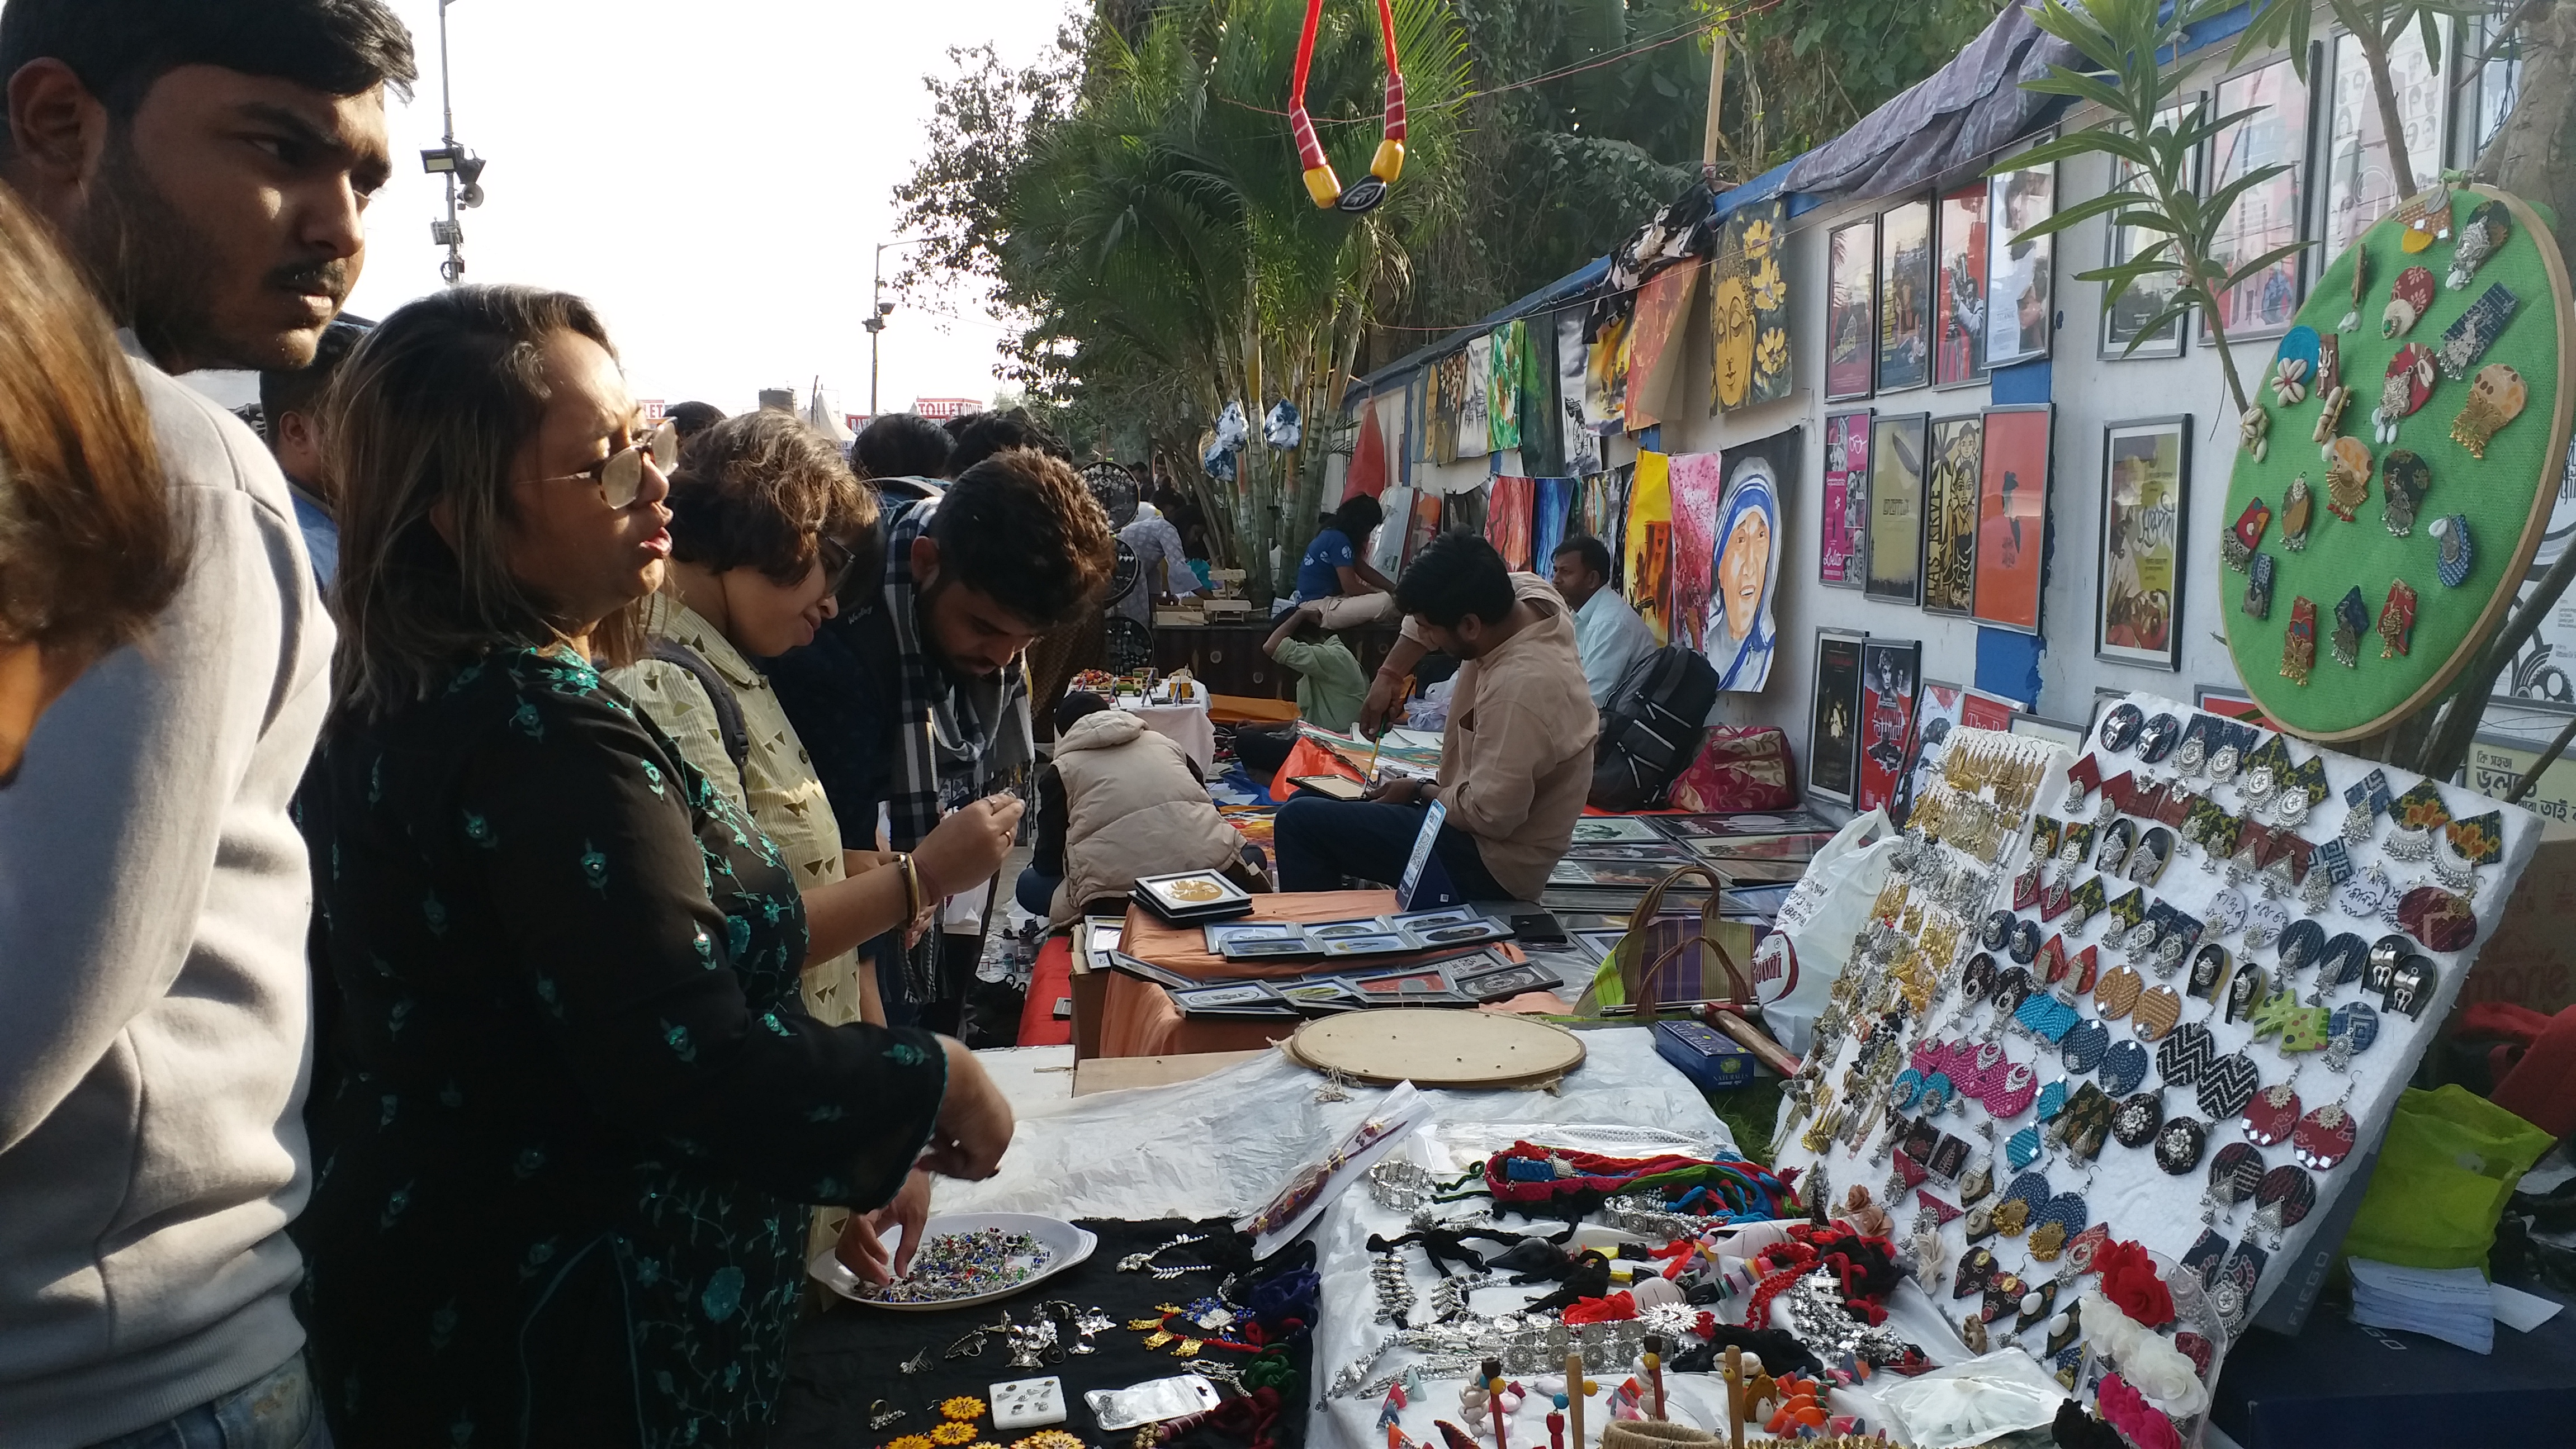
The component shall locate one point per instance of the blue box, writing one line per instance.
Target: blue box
(1709, 1057)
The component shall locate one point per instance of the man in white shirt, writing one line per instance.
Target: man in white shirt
(1607, 633)
(1162, 570)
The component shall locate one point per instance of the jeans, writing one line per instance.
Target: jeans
(277, 1412)
(1320, 841)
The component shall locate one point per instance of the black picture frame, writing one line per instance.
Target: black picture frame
(1905, 310)
(1833, 741)
(2136, 550)
(2114, 326)
(1959, 232)
(1851, 311)
(2020, 198)
(1898, 453)
(2251, 144)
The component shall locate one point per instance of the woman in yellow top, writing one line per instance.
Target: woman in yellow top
(767, 525)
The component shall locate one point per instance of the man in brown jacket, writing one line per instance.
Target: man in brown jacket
(1517, 759)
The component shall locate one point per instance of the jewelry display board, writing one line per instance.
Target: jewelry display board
(2162, 989)
(2398, 467)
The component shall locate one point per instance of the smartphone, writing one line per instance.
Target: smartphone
(1541, 928)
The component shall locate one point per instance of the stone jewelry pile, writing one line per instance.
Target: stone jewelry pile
(951, 1266)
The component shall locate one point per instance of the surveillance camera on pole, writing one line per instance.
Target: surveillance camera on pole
(462, 168)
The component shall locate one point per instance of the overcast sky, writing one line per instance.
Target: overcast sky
(714, 176)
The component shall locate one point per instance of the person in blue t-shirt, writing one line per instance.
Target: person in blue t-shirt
(1335, 573)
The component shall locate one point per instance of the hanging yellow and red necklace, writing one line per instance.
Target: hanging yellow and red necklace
(1321, 183)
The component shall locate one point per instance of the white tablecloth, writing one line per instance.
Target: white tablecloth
(1186, 725)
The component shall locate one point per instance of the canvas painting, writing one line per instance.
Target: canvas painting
(1936, 712)
(1833, 728)
(1896, 458)
(1739, 632)
(1959, 287)
(1851, 299)
(1655, 342)
(1889, 672)
(2012, 516)
(1846, 500)
(1950, 515)
(1601, 511)
(1649, 544)
(1582, 444)
(1507, 521)
(2020, 301)
(1749, 310)
(1605, 371)
(1476, 400)
(1449, 388)
(1549, 500)
(1695, 481)
(1503, 403)
(1905, 297)
(2137, 600)
(1424, 527)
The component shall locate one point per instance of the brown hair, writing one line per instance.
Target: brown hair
(434, 407)
(89, 552)
(1020, 528)
(757, 491)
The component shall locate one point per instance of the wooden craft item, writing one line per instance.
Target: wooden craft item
(1435, 1048)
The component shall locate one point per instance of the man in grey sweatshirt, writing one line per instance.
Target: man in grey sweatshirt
(207, 161)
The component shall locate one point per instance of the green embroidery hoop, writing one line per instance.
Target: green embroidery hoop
(2507, 498)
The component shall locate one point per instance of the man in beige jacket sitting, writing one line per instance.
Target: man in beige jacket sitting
(1119, 801)
(1516, 762)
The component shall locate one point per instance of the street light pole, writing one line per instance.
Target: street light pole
(878, 308)
(462, 168)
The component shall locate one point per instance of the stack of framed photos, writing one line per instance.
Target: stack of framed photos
(1186, 897)
(1616, 859)
(1369, 936)
(1469, 978)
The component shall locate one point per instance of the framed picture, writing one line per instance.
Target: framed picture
(2271, 214)
(1950, 515)
(1905, 297)
(2012, 516)
(2360, 185)
(2020, 302)
(1851, 323)
(2125, 333)
(1599, 943)
(1668, 851)
(1576, 873)
(1846, 516)
(1959, 286)
(1896, 452)
(1936, 713)
(2055, 731)
(1615, 830)
(1833, 728)
(2146, 479)
(1889, 671)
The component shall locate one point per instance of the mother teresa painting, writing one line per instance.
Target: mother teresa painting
(1746, 568)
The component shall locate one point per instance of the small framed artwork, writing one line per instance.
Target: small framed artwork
(2055, 731)
(1222, 940)
(1950, 515)
(2021, 306)
(1665, 850)
(1382, 944)
(1905, 297)
(1851, 322)
(1235, 998)
(1417, 987)
(1346, 930)
(2137, 595)
(1615, 830)
(2012, 516)
(2125, 323)
(1959, 287)
(1890, 670)
(1434, 920)
(1833, 729)
(2271, 129)
(1506, 981)
(1846, 516)
(1896, 454)
(1599, 944)
(1571, 873)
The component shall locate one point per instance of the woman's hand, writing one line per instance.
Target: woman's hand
(862, 1245)
(974, 1127)
(967, 847)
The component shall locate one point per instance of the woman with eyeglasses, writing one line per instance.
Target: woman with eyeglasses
(568, 1103)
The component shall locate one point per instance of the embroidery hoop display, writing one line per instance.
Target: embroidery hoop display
(2505, 498)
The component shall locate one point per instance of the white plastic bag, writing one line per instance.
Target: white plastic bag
(1973, 1402)
(1795, 967)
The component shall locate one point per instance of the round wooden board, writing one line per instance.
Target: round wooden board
(2507, 497)
(1430, 1047)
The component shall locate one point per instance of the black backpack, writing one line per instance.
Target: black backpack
(729, 721)
(1650, 728)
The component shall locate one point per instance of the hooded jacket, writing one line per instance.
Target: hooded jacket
(1132, 807)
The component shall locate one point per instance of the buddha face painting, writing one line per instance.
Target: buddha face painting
(1731, 323)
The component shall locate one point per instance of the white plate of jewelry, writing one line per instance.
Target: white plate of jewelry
(1059, 1245)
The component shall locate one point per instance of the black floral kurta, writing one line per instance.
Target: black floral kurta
(568, 1105)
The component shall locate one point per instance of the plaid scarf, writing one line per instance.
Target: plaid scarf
(958, 736)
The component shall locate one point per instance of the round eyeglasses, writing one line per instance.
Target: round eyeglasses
(620, 475)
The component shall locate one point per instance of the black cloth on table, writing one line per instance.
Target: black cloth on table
(840, 1363)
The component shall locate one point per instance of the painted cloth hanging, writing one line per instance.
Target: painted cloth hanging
(1749, 310)
(1605, 379)
(1655, 347)
(1582, 445)
(1696, 481)
(1510, 345)
(1550, 500)
(1475, 400)
(1507, 521)
(1321, 184)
